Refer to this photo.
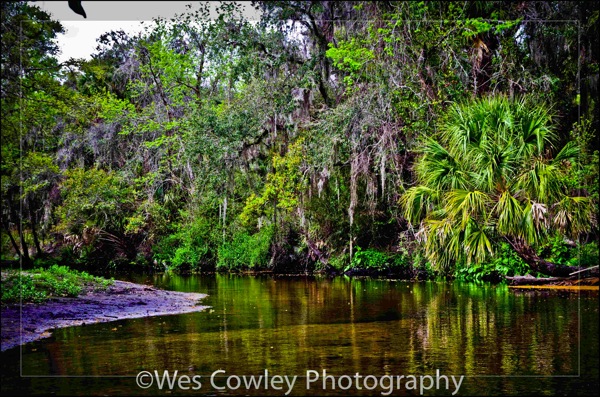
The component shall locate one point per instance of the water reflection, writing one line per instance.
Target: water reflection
(379, 327)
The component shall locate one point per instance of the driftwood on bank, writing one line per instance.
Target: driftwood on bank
(572, 280)
(530, 280)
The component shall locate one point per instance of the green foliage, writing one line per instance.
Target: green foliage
(281, 189)
(39, 284)
(90, 197)
(340, 262)
(506, 263)
(422, 267)
(472, 27)
(246, 251)
(200, 140)
(191, 247)
(477, 272)
(587, 255)
(488, 173)
(96, 217)
(558, 250)
(380, 262)
(21, 288)
(113, 109)
(400, 264)
(351, 57)
(369, 259)
(585, 175)
(37, 173)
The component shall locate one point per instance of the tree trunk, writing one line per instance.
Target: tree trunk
(24, 249)
(13, 242)
(36, 240)
(538, 264)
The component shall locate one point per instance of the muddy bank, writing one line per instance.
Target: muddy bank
(119, 301)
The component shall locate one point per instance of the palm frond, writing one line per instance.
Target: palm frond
(569, 152)
(463, 205)
(493, 174)
(574, 215)
(535, 131)
(438, 169)
(477, 247)
(510, 214)
(542, 181)
(527, 229)
(417, 201)
(442, 243)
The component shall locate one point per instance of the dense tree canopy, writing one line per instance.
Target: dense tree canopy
(407, 137)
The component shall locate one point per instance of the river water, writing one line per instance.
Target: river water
(337, 336)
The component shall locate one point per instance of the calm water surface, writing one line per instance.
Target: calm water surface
(504, 342)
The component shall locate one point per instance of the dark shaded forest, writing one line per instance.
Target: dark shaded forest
(412, 139)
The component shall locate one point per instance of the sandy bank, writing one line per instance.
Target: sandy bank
(119, 301)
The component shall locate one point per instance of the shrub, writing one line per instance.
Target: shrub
(190, 247)
(369, 259)
(506, 263)
(585, 255)
(39, 284)
(339, 262)
(246, 250)
(21, 287)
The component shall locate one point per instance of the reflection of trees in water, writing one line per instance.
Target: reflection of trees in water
(480, 330)
(346, 326)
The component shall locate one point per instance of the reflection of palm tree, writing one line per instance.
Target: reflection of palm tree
(77, 8)
(489, 175)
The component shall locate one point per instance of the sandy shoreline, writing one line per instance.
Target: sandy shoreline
(119, 301)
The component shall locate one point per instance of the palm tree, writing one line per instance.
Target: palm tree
(492, 173)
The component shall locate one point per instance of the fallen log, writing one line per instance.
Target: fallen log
(530, 280)
(558, 281)
(576, 288)
(586, 270)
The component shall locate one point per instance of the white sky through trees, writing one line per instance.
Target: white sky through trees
(79, 40)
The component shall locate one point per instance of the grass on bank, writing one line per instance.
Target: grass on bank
(39, 284)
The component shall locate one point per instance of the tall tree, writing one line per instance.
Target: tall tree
(31, 97)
